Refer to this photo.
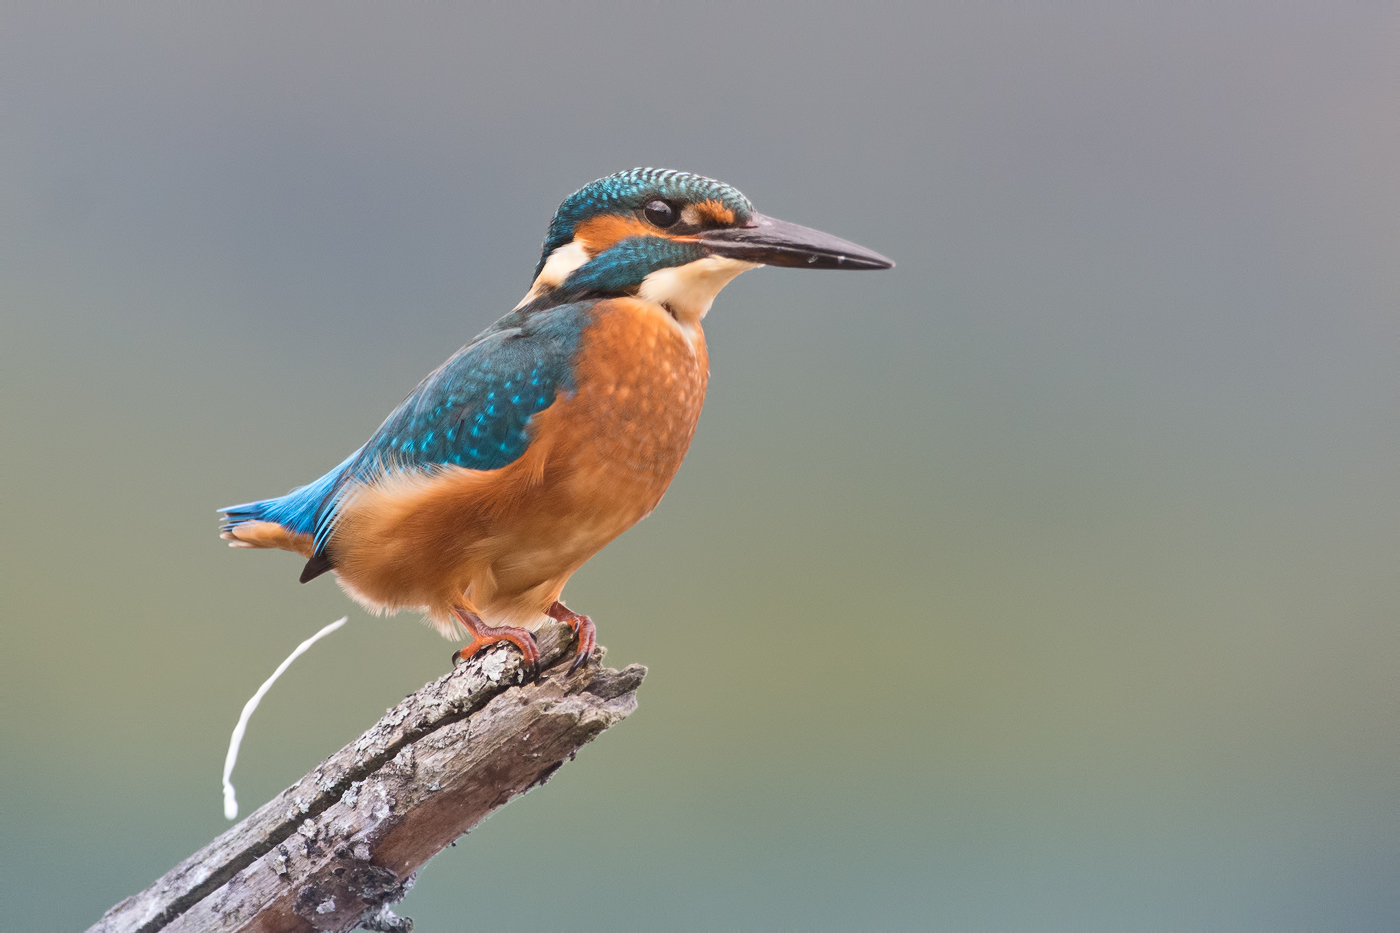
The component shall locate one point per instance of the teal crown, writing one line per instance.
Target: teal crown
(631, 191)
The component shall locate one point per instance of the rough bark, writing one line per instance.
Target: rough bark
(335, 849)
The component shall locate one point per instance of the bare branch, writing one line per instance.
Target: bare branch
(335, 849)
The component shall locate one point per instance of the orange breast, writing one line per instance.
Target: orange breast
(505, 541)
(641, 381)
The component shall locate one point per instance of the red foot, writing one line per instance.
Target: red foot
(584, 630)
(484, 635)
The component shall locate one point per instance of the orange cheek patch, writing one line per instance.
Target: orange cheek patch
(715, 212)
(606, 230)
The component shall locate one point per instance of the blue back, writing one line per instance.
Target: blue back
(472, 411)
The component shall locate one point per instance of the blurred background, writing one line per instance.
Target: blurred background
(1046, 582)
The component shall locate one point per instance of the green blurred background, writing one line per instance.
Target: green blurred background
(1046, 582)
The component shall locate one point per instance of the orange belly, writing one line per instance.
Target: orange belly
(504, 542)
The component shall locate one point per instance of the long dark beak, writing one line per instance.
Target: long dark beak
(776, 242)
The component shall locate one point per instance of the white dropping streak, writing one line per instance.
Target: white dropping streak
(230, 801)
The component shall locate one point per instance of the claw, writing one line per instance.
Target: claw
(585, 632)
(483, 636)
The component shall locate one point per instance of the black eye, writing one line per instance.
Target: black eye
(660, 213)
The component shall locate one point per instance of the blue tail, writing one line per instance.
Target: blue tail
(303, 510)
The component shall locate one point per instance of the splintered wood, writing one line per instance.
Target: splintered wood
(334, 850)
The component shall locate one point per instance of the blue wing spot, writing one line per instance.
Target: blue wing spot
(473, 411)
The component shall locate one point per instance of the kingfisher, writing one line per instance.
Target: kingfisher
(554, 430)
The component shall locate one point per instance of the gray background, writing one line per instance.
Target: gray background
(1045, 582)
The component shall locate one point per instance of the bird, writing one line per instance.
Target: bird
(552, 431)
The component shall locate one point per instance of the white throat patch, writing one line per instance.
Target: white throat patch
(688, 291)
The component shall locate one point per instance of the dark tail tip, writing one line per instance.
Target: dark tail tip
(315, 567)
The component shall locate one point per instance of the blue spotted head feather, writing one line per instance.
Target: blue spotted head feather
(630, 191)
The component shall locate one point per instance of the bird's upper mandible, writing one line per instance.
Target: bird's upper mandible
(609, 238)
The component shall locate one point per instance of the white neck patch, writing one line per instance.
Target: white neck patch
(688, 291)
(558, 267)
